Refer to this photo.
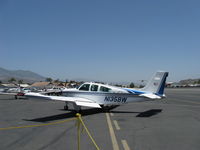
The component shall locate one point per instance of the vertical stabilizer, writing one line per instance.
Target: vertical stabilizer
(157, 83)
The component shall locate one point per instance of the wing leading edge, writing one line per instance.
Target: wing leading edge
(77, 100)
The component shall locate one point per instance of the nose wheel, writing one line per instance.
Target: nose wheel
(66, 107)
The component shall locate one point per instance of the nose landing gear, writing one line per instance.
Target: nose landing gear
(66, 107)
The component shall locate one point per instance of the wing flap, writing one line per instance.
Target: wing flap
(87, 104)
(77, 100)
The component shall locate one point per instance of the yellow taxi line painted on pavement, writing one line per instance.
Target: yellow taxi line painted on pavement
(38, 125)
(125, 145)
(116, 125)
(112, 133)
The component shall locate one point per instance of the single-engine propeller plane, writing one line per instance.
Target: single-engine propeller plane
(98, 95)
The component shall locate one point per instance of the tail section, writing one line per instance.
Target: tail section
(157, 84)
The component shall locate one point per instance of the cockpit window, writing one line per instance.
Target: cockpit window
(84, 87)
(94, 87)
(104, 89)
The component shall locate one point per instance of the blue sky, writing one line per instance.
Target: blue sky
(112, 41)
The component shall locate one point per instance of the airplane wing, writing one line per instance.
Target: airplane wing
(3, 93)
(77, 100)
(151, 96)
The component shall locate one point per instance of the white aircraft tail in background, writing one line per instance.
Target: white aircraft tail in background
(98, 95)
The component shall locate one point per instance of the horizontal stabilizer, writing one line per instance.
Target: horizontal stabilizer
(151, 96)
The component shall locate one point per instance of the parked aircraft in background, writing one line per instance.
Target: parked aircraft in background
(16, 92)
(98, 95)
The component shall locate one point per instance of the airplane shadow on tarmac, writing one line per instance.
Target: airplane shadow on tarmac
(147, 113)
(86, 112)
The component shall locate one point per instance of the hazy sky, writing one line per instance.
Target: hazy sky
(105, 40)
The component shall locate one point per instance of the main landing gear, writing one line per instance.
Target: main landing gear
(66, 107)
(76, 108)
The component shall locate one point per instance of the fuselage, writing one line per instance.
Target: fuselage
(104, 94)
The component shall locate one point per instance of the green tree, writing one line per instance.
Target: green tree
(66, 81)
(118, 85)
(72, 81)
(11, 80)
(57, 81)
(132, 85)
(0, 82)
(198, 81)
(141, 86)
(49, 79)
(20, 81)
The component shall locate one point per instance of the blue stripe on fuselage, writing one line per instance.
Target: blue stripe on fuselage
(134, 91)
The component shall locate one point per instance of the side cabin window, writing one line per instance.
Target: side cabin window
(104, 89)
(94, 87)
(84, 87)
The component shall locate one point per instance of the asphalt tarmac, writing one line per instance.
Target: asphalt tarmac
(169, 124)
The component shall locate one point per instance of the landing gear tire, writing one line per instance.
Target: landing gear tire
(66, 107)
(105, 108)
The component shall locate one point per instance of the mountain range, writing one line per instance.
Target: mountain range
(26, 76)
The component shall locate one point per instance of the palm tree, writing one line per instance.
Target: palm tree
(66, 81)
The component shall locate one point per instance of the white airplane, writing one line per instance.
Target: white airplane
(97, 95)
